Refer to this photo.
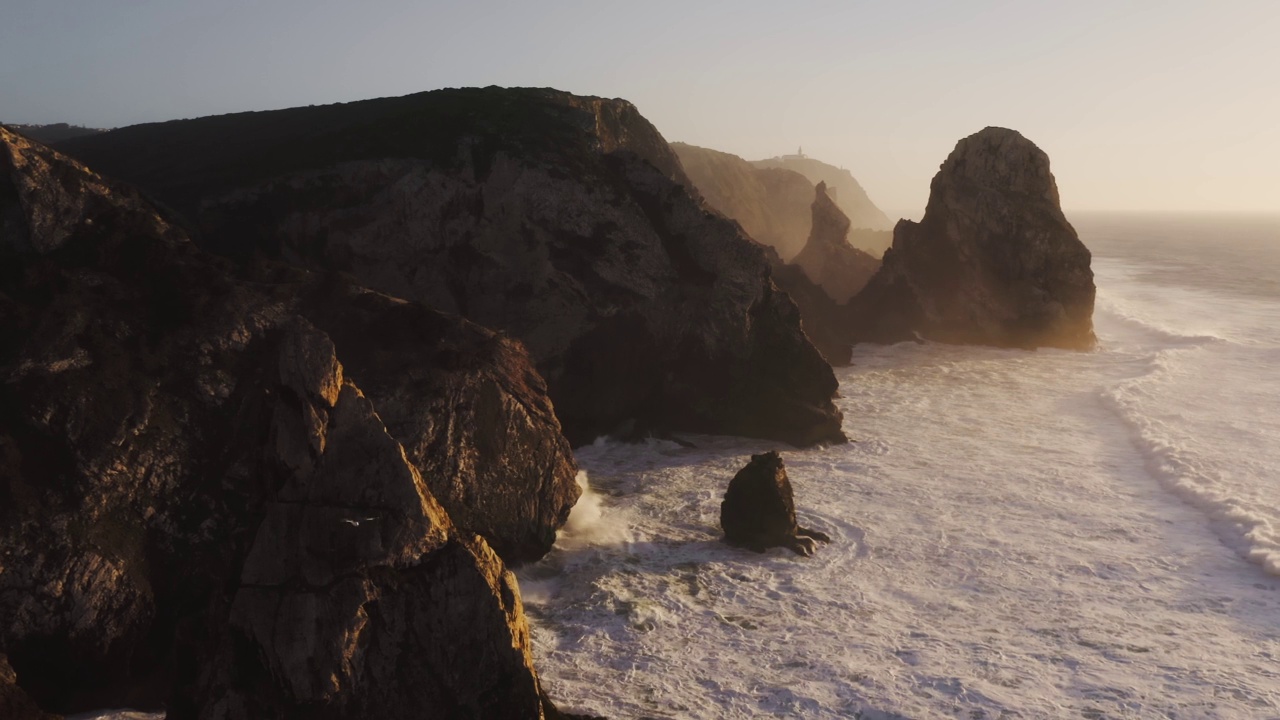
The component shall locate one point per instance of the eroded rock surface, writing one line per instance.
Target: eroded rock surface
(183, 455)
(759, 511)
(993, 261)
(561, 220)
(827, 258)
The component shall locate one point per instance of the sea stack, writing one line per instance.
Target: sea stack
(993, 262)
(828, 258)
(759, 511)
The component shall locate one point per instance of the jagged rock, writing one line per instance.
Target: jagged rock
(771, 204)
(15, 704)
(844, 189)
(828, 258)
(561, 220)
(358, 598)
(824, 321)
(993, 261)
(759, 512)
(168, 425)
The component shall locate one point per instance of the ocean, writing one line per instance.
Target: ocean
(1016, 534)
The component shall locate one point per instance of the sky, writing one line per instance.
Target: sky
(1167, 106)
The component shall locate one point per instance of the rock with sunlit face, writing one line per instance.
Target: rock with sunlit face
(993, 262)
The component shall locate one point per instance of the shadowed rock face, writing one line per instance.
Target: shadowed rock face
(759, 511)
(561, 220)
(189, 475)
(993, 261)
(828, 258)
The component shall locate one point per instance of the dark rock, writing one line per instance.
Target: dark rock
(758, 511)
(181, 452)
(15, 704)
(828, 259)
(843, 188)
(993, 262)
(561, 220)
(824, 321)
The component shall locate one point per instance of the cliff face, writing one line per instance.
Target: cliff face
(771, 204)
(200, 505)
(848, 194)
(993, 261)
(828, 258)
(558, 219)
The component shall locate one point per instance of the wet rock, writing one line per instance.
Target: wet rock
(759, 512)
(183, 454)
(561, 220)
(827, 258)
(993, 261)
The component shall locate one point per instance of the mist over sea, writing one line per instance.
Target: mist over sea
(1042, 534)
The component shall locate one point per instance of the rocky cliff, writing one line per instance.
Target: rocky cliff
(200, 504)
(771, 204)
(993, 261)
(561, 220)
(827, 258)
(845, 189)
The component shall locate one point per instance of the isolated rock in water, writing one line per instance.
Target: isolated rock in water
(182, 453)
(828, 258)
(561, 220)
(771, 204)
(993, 261)
(758, 511)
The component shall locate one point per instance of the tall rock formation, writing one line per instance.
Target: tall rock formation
(828, 259)
(561, 220)
(202, 509)
(993, 261)
(846, 191)
(771, 204)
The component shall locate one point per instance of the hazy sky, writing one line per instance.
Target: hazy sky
(1169, 105)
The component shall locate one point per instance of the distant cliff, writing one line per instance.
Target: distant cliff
(562, 220)
(52, 133)
(772, 204)
(844, 189)
(252, 493)
(994, 261)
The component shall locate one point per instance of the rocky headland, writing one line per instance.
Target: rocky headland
(771, 204)
(252, 491)
(842, 186)
(562, 221)
(994, 261)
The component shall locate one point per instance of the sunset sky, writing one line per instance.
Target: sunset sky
(1168, 105)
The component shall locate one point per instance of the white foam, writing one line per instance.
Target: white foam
(1004, 547)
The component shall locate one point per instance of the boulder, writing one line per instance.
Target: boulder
(827, 258)
(993, 262)
(759, 512)
(563, 221)
(183, 453)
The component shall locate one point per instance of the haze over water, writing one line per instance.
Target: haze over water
(1017, 534)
